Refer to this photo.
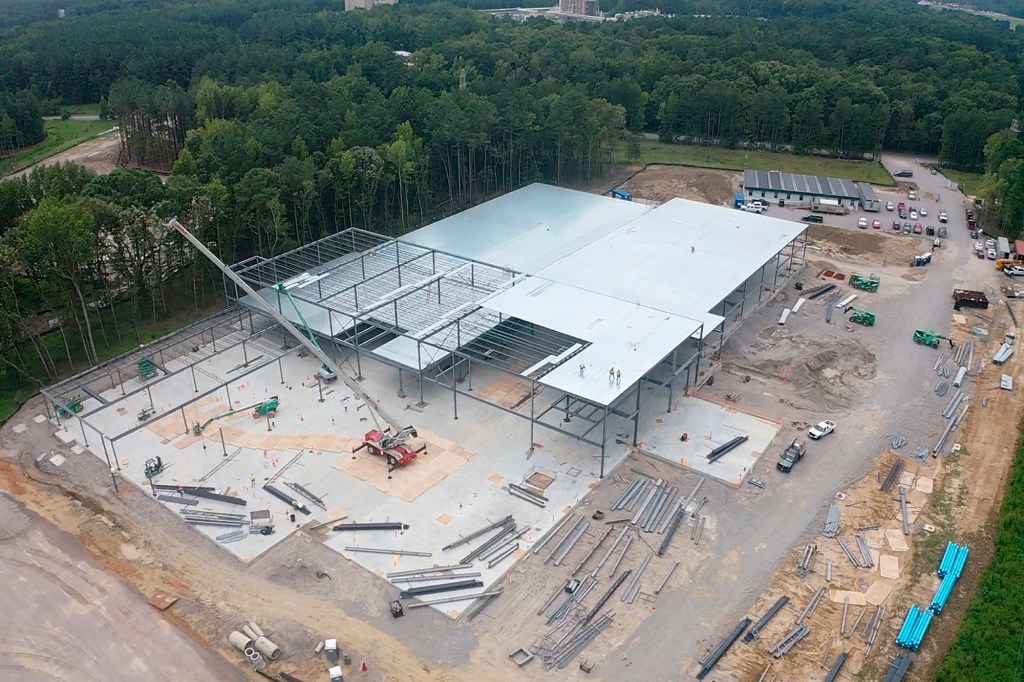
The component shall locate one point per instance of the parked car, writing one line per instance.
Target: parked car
(937, 244)
(790, 456)
(990, 243)
(991, 254)
(906, 228)
(890, 207)
(896, 225)
(876, 224)
(903, 174)
(862, 223)
(935, 171)
(821, 429)
(811, 218)
(975, 234)
(913, 214)
(917, 228)
(912, 195)
(752, 208)
(1014, 271)
(903, 214)
(942, 231)
(943, 217)
(979, 247)
(760, 202)
(922, 211)
(930, 231)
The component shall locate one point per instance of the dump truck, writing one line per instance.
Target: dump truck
(790, 456)
(965, 298)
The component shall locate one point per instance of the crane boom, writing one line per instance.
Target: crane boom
(266, 307)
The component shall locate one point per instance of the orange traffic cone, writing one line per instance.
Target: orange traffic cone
(362, 667)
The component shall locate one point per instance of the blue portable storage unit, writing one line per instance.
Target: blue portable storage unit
(622, 194)
(738, 200)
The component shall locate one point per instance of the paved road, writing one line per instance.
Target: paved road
(754, 529)
(69, 619)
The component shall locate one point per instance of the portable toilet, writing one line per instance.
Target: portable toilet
(335, 674)
(738, 200)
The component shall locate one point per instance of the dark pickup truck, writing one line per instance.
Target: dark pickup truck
(790, 456)
(964, 298)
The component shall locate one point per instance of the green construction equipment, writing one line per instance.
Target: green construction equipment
(66, 408)
(869, 283)
(863, 317)
(266, 408)
(325, 373)
(929, 338)
(147, 369)
(153, 467)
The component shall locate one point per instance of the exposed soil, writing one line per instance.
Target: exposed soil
(98, 155)
(880, 249)
(663, 183)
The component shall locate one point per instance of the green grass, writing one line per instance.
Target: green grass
(988, 645)
(81, 109)
(970, 183)
(60, 136)
(738, 159)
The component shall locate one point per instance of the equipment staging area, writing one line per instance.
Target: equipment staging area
(586, 316)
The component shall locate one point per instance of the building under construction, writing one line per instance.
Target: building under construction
(536, 322)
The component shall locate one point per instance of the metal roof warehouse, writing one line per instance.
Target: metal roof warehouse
(779, 185)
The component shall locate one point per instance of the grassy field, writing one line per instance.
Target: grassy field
(970, 183)
(60, 136)
(989, 644)
(737, 159)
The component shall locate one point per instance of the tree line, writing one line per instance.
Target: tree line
(21, 123)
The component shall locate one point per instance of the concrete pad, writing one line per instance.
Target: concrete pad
(19, 428)
(889, 566)
(39, 418)
(877, 593)
(897, 541)
(925, 484)
(707, 426)
(65, 437)
(57, 460)
(839, 596)
(77, 449)
(907, 479)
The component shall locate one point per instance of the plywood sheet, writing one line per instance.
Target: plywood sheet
(889, 566)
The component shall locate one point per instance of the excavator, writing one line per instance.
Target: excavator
(929, 338)
(264, 408)
(390, 440)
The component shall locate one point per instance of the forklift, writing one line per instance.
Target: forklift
(863, 317)
(930, 338)
(154, 466)
(869, 283)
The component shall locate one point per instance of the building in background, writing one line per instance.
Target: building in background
(367, 4)
(584, 8)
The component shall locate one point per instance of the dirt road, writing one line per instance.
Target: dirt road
(98, 155)
(74, 620)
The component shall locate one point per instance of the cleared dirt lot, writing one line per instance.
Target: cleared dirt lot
(98, 155)
(662, 183)
(874, 381)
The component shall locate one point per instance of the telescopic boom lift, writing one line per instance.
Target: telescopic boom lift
(392, 435)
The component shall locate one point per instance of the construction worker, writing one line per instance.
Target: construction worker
(618, 377)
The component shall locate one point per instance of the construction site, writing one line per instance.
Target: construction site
(542, 435)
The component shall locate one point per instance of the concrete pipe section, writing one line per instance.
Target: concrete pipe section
(240, 641)
(268, 648)
(250, 633)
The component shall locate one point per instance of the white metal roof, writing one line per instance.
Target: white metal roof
(528, 229)
(622, 335)
(684, 257)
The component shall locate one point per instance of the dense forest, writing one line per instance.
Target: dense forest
(21, 124)
(285, 121)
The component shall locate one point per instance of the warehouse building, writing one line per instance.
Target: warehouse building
(790, 187)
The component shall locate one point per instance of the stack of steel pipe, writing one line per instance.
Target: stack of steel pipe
(561, 542)
(831, 528)
(807, 559)
(763, 620)
(425, 571)
(653, 492)
(506, 534)
(571, 541)
(951, 561)
(627, 495)
(563, 654)
(872, 629)
(809, 609)
(574, 598)
(527, 495)
(788, 641)
(444, 587)
(833, 672)
(629, 596)
(698, 530)
(550, 534)
(196, 517)
(849, 553)
(715, 655)
(865, 552)
(853, 628)
(503, 523)
(604, 559)
(893, 476)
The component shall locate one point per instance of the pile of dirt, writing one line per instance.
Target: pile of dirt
(664, 183)
(830, 375)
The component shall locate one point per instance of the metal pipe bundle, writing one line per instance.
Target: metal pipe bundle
(831, 528)
(898, 668)
(763, 620)
(788, 641)
(809, 609)
(915, 625)
(833, 672)
(716, 654)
